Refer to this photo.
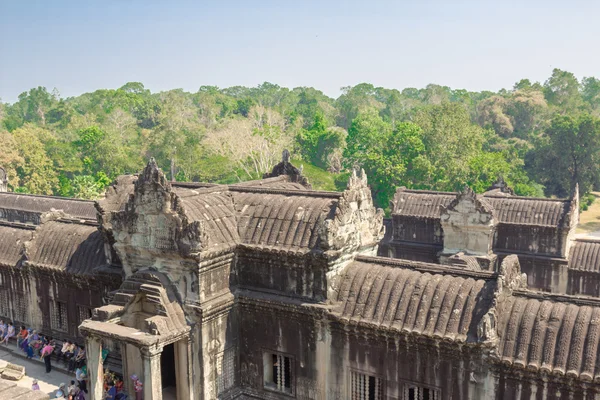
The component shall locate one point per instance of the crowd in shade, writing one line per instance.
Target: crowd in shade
(42, 347)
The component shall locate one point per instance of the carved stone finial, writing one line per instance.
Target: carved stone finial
(285, 167)
(3, 180)
(500, 187)
(358, 179)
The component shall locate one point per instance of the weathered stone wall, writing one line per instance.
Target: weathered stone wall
(414, 251)
(521, 385)
(289, 273)
(469, 225)
(417, 229)
(534, 239)
(31, 292)
(326, 352)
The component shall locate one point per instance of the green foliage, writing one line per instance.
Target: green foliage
(540, 138)
(568, 154)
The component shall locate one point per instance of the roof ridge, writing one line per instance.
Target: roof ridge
(48, 197)
(18, 225)
(426, 267)
(488, 196)
(580, 300)
(292, 192)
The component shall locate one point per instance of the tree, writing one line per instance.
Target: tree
(562, 90)
(451, 141)
(36, 173)
(389, 156)
(569, 154)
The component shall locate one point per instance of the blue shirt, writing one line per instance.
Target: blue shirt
(111, 394)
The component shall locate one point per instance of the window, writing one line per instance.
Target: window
(278, 372)
(83, 313)
(4, 306)
(226, 370)
(58, 316)
(365, 387)
(21, 308)
(414, 392)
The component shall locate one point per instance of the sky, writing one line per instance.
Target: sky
(81, 46)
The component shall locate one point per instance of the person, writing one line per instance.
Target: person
(80, 358)
(119, 384)
(80, 377)
(35, 344)
(2, 329)
(34, 385)
(66, 352)
(138, 388)
(73, 390)
(47, 356)
(22, 337)
(111, 393)
(10, 332)
(60, 393)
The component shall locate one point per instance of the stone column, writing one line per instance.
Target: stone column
(152, 374)
(94, 365)
(185, 389)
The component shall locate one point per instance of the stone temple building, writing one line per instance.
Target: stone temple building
(271, 290)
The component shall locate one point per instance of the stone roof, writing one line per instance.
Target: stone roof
(414, 297)
(69, 246)
(585, 255)
(273, 213)
(507, 209)
(551, 333)
(40, 204)
(12, 239)
(214, 209)
(282, 220)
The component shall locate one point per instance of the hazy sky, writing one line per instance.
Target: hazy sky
(84, 45)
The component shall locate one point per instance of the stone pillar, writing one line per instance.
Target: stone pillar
(94, 365)
(185, 384)
(152, 374)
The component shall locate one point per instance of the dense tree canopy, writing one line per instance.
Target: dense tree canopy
(542, 138)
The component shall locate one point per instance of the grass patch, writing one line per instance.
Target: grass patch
(319, 178)
(589, 220)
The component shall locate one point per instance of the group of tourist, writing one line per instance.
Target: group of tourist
(74, 358)
(7, 331)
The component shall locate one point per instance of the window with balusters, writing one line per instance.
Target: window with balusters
(365, 387)
(58, 316)
(278, 372)
(225, 370)
(416, 392)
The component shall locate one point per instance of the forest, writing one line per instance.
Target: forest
(541, 138)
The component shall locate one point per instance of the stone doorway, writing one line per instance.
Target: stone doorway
(167, 367)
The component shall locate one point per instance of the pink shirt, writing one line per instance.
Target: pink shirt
(47, 350)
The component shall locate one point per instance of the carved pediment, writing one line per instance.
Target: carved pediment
(154, 219)
(465, 197)
(468, 223)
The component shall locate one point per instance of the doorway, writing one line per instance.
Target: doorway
(167, 367)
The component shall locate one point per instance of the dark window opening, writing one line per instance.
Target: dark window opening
(278, 372)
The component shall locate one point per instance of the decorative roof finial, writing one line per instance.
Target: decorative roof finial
(3, 180)
(285, 156)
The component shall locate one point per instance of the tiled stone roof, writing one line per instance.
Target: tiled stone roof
(415, 297)
(12, 239)
(585, 255)
(72, 247)
(549, 333)
(507, 209)
(40, 204)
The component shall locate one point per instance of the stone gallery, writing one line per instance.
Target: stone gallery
(271, 290)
